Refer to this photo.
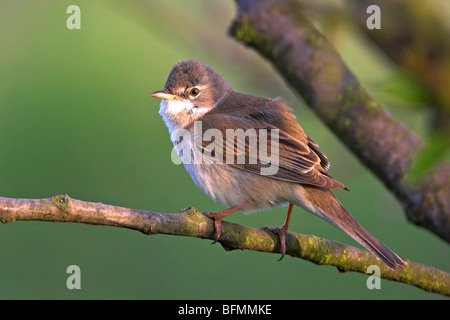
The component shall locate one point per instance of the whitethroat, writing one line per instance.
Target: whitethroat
(195, 97)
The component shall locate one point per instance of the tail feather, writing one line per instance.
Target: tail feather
(328, 207)
(385, 254)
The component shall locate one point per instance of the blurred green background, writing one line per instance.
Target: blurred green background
(76, 117)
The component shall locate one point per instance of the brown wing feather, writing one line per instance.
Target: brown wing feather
(298, 162)
(325, 164)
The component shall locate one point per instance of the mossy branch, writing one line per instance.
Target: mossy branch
(190, 222)
(282, 32)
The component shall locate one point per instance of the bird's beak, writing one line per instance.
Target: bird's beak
(163, 94)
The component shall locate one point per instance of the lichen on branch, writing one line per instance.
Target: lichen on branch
(190, 222)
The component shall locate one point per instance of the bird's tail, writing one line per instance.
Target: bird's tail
(328, 207)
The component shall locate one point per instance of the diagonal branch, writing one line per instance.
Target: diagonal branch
(282, 33)
(189, 222)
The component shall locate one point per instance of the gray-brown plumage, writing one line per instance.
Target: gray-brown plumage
(195, 93)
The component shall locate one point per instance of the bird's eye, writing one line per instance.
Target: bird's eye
(194, 91)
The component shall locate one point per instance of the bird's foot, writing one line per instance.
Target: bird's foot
(281, 231)
(217, 217)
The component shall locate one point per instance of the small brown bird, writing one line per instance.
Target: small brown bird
(208, 118)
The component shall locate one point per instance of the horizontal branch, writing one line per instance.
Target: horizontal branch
(281, 31)
(190, 222)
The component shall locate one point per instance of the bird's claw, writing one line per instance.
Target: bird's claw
(217, 222)
(282, 234)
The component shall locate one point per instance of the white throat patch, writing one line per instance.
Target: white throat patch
(175, 108)
(178, 114)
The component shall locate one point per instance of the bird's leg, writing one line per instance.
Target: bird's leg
(218, 216)
(282, 231)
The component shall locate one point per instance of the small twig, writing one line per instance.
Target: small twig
(190, 222)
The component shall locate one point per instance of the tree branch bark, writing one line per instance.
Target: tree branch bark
(190, 222)
(281, 32)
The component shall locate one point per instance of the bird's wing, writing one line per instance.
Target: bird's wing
(266, 150)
